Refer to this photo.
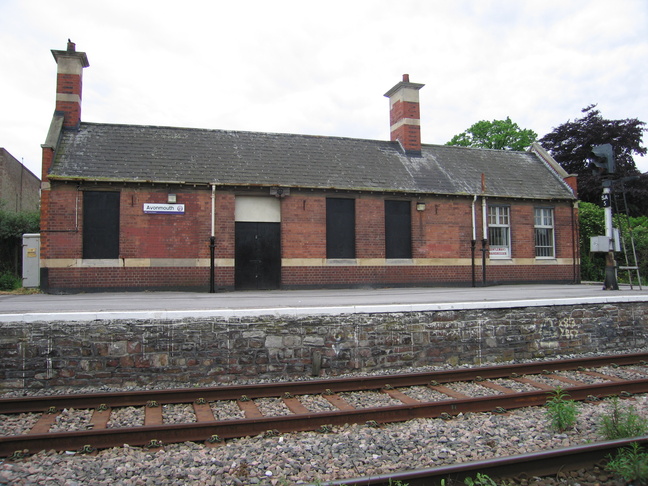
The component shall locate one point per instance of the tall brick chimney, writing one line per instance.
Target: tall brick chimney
(68, 84)
(405, 115)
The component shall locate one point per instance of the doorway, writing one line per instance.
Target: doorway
(257, 240)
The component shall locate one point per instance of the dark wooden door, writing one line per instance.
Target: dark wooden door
(257, 256)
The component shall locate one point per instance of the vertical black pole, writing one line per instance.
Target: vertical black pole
(212, 250)
(484, 250)
(472, 252)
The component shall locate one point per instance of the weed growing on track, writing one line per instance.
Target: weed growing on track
(631, 463)
(562, 410)
(622, 422)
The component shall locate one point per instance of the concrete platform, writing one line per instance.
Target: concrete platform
(178, 305)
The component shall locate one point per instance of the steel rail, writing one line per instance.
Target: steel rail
(306, 387)
(203, 431)
(540, 464)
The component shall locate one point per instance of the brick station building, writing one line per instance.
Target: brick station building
(128, 207)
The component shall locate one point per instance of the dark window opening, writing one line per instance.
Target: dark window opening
(398, 229)
(100, 224)
(340, 228)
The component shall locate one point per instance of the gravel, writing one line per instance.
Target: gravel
(307, 457)
(300, 458)
(126, 417)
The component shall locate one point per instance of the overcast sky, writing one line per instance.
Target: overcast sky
(322, 67)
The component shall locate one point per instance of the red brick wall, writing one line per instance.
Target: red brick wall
(69, 84)
(442, 231)
(145, 235)
(444, 228)
(224, 225)
(370, 227)
(404, 109)
(408, 134)
(303, 226)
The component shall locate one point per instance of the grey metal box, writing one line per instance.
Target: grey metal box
(31, 260)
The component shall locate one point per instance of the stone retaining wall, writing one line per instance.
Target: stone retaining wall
(200, 351)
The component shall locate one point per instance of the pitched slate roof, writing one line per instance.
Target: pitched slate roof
(107, 152)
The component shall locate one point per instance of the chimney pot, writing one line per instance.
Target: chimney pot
(406, 78)
(71, 46)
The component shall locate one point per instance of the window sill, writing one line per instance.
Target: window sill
(341, 261)
(399, 261)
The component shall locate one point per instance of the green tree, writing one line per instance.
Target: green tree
(571, 145)
(496, 134)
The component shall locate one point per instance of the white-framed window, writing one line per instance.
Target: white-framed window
(499, 231)
(545, 242)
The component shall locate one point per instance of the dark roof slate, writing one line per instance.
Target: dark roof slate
(110, 152)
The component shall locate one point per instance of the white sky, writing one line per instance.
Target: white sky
(322, 67)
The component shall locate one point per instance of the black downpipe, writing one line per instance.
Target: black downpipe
(484, 250)
(212, 251)
(472, 258)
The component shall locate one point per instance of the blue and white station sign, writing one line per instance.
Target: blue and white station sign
(162, 208)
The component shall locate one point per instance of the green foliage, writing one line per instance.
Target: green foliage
(12, 227)
(8, 281)
(631, 464)
(622, 422)
(496, 134)
(591, 219)
(480, 480)
(571, 145)
(638, 228)
(561, 410)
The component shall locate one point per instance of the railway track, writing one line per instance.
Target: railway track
(500, 388)
(537, 464)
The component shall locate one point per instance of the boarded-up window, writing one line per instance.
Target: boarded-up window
(340, 228)
(398, 229)
(100, 224)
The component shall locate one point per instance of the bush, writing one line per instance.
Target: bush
(12, 227)
(8, 281)
(592, 223)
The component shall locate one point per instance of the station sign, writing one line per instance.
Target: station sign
(163, 208)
